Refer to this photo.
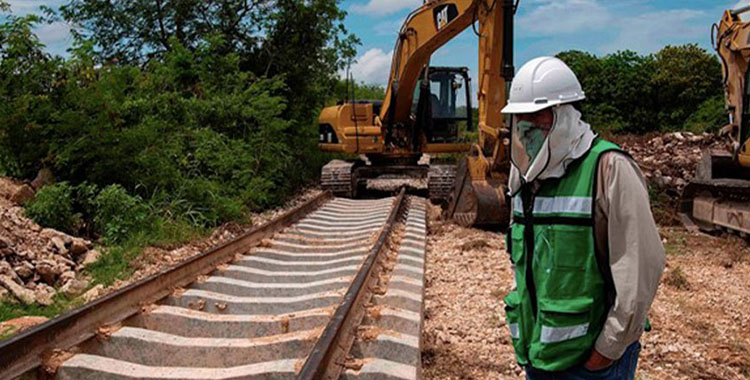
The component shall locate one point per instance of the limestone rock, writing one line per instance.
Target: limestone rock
(4, 243)
(78, 246)
(43, 178)
(6, 269)
(59, 244)
(91, 257)
(24, 194)
(74, 287)
(24, 270)
(67, 276)
(48, 270)
(44, 295)
(93, 293)
(24, 295)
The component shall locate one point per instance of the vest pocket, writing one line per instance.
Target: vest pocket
(571, 246)
(562, 325)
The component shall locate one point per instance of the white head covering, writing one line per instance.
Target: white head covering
(569, 139)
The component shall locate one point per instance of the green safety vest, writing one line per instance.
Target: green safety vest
(560, 302)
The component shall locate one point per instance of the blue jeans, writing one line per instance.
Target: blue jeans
(621, 369)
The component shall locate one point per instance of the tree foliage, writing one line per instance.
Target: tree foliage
(304, 43)
(191, 134)
(628, 92)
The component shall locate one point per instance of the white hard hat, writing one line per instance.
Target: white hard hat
(541, 83)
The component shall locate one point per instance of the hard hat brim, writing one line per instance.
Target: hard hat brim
(513, 108)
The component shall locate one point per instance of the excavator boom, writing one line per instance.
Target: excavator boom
(395, 132)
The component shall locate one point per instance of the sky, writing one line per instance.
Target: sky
(543, 27)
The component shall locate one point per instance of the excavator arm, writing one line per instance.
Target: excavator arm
(718, 198)
(732, 43)
(478, 193)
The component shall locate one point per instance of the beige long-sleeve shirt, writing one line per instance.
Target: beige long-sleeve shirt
(625, 228)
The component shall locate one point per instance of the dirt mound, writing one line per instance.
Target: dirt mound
(668, 161)
(36, 262)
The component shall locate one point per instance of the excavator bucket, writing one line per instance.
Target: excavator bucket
(477, 202)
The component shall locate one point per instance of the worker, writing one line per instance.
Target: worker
(586, 252)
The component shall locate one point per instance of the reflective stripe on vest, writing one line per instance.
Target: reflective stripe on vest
(560, 334)
(557, 205)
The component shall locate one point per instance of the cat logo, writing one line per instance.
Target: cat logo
(444, 14)
(442, 18)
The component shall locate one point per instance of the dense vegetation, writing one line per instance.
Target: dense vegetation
(167, 117)
(677, 88)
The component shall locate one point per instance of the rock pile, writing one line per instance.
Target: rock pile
(668, 161)
(36, 263)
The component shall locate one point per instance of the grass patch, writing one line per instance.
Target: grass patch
(115, 263)
(676, 279)
(10, 311)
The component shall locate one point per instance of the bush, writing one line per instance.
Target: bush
(677, 88)
(118, 214)
(711, 116)
(53, 207)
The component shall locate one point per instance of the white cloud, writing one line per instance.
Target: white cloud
(649, 32)
(57, 32)
(384, 7)
(553, 18)
(372, 67)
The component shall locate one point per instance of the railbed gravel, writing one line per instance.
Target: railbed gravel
(701, 327)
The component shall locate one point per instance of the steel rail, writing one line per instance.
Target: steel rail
(30, 349)
(326, 361)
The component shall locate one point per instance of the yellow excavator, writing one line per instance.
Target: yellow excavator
(423, 114)
(717, 199)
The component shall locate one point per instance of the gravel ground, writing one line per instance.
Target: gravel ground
(700, 316)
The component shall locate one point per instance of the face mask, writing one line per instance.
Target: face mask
(532, 138)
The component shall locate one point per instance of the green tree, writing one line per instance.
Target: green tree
(29, 92)
(140, 30)
(683, 78)
(628, 92)
(302, 43)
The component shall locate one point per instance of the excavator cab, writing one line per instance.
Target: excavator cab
(442, 105)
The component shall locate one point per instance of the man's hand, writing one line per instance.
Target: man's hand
(597, 362)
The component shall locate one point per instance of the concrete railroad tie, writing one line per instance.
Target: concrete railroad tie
(259, 317)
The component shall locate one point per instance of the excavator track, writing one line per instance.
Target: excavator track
(337, 177)
(440, 179)
(718, 204)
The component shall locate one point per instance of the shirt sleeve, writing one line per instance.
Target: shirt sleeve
(636, 254)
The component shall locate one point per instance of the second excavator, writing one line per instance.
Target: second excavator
(719, 196)
(423, 113)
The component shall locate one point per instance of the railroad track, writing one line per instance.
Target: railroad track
(332, 289)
